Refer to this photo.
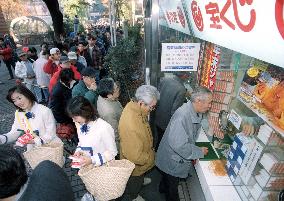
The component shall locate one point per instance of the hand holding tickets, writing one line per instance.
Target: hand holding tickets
(79, 159)
(27, 138)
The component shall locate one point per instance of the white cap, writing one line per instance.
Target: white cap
(54, 50)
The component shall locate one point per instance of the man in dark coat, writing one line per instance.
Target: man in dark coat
(61, 94)
(173, 94)
(48, 181)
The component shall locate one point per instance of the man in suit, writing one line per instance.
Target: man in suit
(173, 92)
(177, 148)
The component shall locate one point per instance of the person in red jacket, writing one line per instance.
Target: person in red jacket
(65, 63)
(6, 53)
(51, 66)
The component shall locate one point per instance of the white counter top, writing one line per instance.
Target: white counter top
(215, 188)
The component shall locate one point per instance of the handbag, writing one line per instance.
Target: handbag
(65, 131)
(52, 151)
(108, 181)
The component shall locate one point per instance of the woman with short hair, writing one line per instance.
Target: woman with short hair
(109, 108)
(30, 117)
(96, 137)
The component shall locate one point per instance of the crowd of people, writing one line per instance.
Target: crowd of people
(67, 86)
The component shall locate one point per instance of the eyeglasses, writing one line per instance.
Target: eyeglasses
(151, 107)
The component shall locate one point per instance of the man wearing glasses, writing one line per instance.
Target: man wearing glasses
(177, 148)
(136, 141)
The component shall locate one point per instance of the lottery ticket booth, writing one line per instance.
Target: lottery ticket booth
(240, 57)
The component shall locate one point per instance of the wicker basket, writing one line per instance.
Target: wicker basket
(52, 151)
(107, 182)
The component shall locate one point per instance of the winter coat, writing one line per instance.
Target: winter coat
(136, 141)
(60, 96)
(177, 147)
(42, 78)
(110, 111)
(6, 52)
(172, 96)
(50, 67)
(55, 77)
(96, 60)
(80, 89)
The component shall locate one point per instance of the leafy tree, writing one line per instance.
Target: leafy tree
(71, 8)
(123, 10)
(125, 63)
(75, 7)
(9, 11)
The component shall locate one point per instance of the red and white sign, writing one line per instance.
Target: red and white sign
(175, 16)
(211, 63)
(252, 27)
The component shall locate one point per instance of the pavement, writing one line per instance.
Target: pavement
(149, 192)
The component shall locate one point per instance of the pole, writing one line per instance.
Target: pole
(112, 22)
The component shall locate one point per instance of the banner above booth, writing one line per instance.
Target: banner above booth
(174, 14)
(251, 27)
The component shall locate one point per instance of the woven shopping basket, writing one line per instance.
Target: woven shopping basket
(107, 182)
(52, 151)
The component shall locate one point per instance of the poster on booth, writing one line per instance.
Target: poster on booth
(254, 28)
(180, 56)
(262, 90)
(175, 15)
(211, 62)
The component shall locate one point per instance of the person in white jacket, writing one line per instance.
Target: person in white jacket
(24, 70)
(42, 78)
(30, 117)
(96, 136)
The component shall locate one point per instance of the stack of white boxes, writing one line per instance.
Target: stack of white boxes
(237, 154)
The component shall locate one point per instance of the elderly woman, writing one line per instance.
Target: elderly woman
(136, 141)
(30, 117)
(96, 137)
(109, 108)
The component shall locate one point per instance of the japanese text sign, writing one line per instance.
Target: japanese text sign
(254, 28)
(180, 56)
(210, 65)
(175, 16)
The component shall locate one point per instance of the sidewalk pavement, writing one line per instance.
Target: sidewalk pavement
(149, 192)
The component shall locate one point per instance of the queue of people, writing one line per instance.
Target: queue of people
(55, 92)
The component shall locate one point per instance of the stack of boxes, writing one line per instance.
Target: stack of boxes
(256, 165)
(238, 151)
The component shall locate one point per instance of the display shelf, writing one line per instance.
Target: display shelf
(267, 181)
(262, 116)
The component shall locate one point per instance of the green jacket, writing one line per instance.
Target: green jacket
(81, 90)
